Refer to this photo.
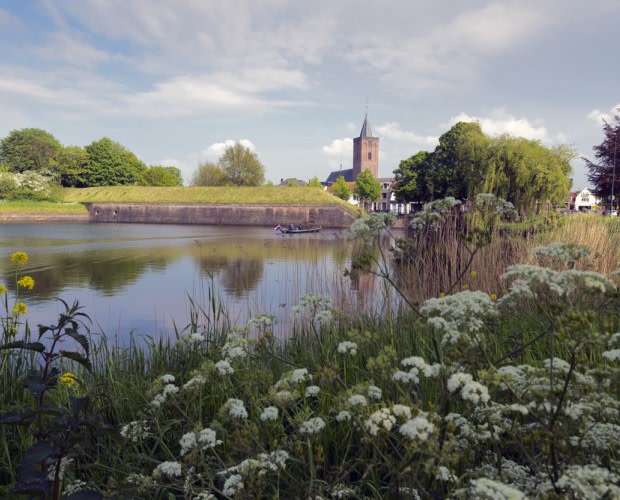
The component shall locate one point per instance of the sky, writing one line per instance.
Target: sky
(174, 81)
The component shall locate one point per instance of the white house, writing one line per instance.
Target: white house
(585, 200)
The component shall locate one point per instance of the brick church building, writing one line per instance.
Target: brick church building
(365, 156)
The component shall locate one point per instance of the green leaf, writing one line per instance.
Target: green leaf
(20, 344)
(25, 418)
(80, 339)
(78, 358)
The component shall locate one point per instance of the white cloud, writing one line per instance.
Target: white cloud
(215, 150)
(504, 123)
(392, 131)
(339, 147)
(600, 117)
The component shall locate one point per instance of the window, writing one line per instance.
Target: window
(370, 155)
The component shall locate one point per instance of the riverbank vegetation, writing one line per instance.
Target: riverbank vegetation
(494, 386)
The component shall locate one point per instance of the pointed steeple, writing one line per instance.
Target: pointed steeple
(366, 130)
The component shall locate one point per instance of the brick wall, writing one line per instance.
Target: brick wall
(328, 216)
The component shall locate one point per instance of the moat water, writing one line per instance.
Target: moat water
(141, 279)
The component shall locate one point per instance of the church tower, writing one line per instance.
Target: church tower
(366, 151)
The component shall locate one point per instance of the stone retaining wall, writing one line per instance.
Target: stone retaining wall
(45, 217)
(328, 216)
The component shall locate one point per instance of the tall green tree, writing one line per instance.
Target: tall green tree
(29, 149)
(408, 177)
(208, 174)
(71, 165)
(606, 172)
(241, 166)
(158, 175)
(367, 188)
(340, 188)
(112, 164)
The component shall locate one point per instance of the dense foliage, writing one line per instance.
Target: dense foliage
(367, 188)
(237, 166)
(467, 162)
(29, 149)
(602, 175)
(340, 188)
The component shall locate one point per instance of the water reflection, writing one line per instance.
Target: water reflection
(138, 277)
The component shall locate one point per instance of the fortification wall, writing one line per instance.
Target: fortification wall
(328, 216)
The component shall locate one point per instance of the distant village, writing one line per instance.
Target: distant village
(366, 157)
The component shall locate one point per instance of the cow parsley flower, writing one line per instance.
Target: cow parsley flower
(233, 485)
(236, 408)
(135, 430)
(167, 379)
(269, 413)
(470, 390)
(208, 438)
(418, 428)
(196, 381)
(169, 469)
(312, 390)
(224, 368)
(494, 490)
(590, 481)
(380, 420)
(357, 400)
(312, 426)
(187, 442)
(343, 415)
(374, 392)
(347, 347)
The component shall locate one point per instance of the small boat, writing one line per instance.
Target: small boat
(298, 230)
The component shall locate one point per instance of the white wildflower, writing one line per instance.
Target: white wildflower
(312, 426)
(196, 381)
(381, 419)
(612, 355)
(590, 481)
(444, 474)
(235, 408)
(64, 463)
(418, 428)
(208, 438)
(300, 375)
(401, 411)
(343, 415)
(224, 368)
(347, 347)
(374, 392)
(312, 390)
(470, 390)
(269, 413)
(232, 351)
(187, 442)
(170, 389)
(357, 400)
(135, 430)
(233, 485)
(168, 469)
(494, 490)
(167, 379)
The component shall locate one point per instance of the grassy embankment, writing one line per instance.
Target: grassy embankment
(466, 396)
(70, 200)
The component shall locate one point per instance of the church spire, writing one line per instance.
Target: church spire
(366, 130)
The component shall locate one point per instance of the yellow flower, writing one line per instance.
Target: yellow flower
(20, 258)
(442, 295)
(2, 289)
(26, 282)
(465, 287)
(20, 308)
(68, 379)
(493, 297)
(474, 274)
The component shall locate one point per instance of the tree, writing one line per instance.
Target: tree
(28, 149)
(71, 165)
(315, 183)
(341, 189)
(157, 175)
(208, 174)
(406, 185)
(367, 188)
(241, 166)
(112, 164)
(604, 176)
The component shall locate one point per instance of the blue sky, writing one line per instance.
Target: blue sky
(173, 81)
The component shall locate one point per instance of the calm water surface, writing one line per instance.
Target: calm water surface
(137, 278)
